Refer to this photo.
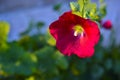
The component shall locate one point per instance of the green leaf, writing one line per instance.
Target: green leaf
(4, 30)
(61, 61)
(33, 57)
(74, 6)
(103, 10)
(84, 8)
(90, 11)
(81, 3)
(50, 40)
(30, 78)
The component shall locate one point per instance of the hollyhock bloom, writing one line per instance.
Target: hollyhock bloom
(75, 35)
(107, 24)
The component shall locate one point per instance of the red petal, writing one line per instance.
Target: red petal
(92, 30)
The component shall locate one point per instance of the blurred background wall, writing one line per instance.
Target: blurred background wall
(19, 13)
(9, 5)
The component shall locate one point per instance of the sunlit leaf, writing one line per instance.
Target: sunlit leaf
(4, 30)
(30, 78)
(74, 6)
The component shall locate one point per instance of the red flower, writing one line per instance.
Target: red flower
(75, 35)
(107, 24)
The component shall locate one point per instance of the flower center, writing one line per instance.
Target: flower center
(78, 30)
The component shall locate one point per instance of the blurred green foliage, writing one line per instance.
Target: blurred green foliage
(36, 58)
(57, 7)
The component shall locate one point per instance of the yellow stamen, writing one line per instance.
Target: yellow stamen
(78, 30)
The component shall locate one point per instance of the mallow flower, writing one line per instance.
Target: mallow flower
(75, 35)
